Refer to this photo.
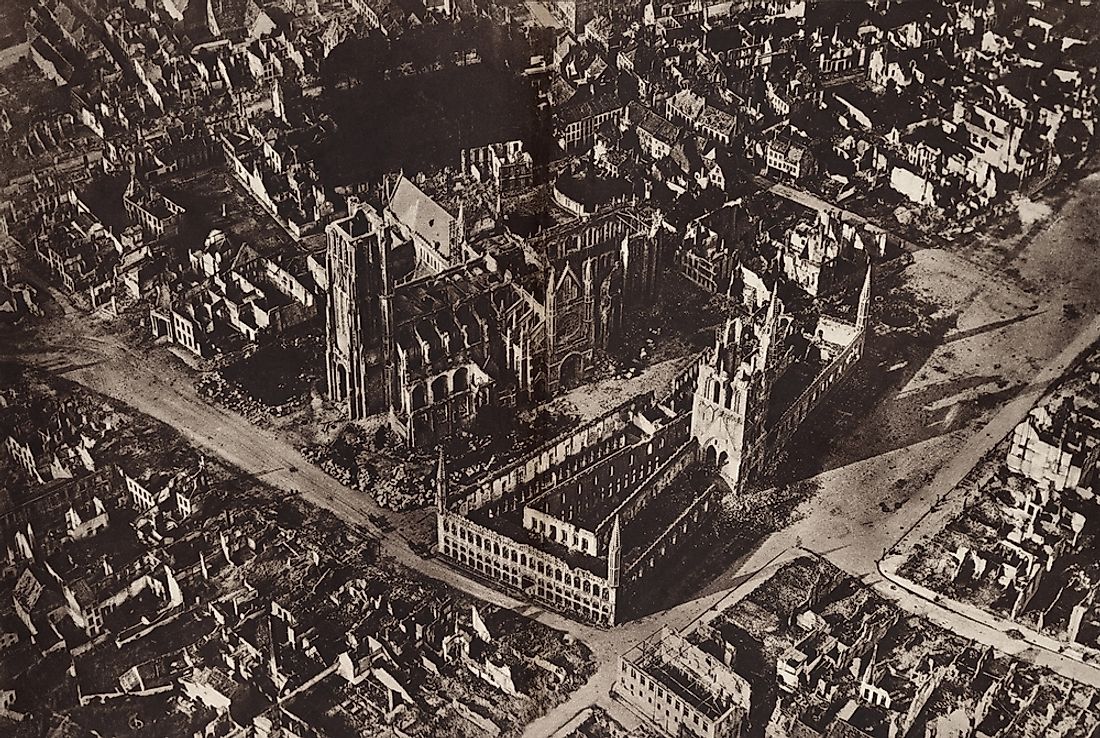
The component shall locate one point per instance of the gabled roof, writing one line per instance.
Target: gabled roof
(653, 124)
(421, 214)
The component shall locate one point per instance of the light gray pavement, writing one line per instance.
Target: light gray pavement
(972, 623)
(863, 507)
(597, 691)
(966, 619)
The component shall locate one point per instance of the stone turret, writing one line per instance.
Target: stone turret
(614, 554)
(441, 482)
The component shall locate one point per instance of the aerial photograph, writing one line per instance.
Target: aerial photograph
(549, 368)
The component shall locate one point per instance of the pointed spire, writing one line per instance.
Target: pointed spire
(735, 286)
(769, 334)
(441, 482)
(614, 554)
(863, 314)
(772, 316)
(131, 186)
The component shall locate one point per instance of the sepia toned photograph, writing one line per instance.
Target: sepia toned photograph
(549, 369)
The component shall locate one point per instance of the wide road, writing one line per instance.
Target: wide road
(155, 385)
(1007, 296)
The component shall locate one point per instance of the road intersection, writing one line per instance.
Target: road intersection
(848, 522)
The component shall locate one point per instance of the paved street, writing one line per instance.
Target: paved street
(847, 521)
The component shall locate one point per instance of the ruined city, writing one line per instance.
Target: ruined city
(549, 368)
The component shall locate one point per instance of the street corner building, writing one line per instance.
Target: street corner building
(682, 688)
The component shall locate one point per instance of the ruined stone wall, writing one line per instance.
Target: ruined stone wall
(624, 470)
(672, 536)
(525, 569)
(837, 369)
(572, 442)
(658, 478)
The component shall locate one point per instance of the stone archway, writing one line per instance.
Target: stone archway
(341, 390)
(461, 379)
(572, 370)
(440, 388)
(710, 457)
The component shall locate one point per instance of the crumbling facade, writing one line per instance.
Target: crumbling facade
(429, 328)
(581, 523)
(733, 416)
(683, 689)
(585, 523)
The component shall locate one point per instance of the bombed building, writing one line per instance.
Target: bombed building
(428, 326)
(584, 523)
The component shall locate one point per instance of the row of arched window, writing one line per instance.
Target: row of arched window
(730, 399)
(505, 555)
(442, 387)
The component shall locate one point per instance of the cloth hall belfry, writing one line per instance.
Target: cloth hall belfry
(734, 418)
(588, 524)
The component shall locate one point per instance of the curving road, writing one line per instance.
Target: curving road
(1009, 328)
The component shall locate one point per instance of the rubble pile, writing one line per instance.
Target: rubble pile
(214, 387)
(768, 509)
(353, 460)
(201, 569)
(403, 491)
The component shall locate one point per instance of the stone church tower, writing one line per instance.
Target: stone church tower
(358, 319)
(732, 395)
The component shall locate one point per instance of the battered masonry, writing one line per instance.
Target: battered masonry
(676, 684)
(429, 328)
(584, 523)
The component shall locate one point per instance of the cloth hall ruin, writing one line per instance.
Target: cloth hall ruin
(583, 524)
